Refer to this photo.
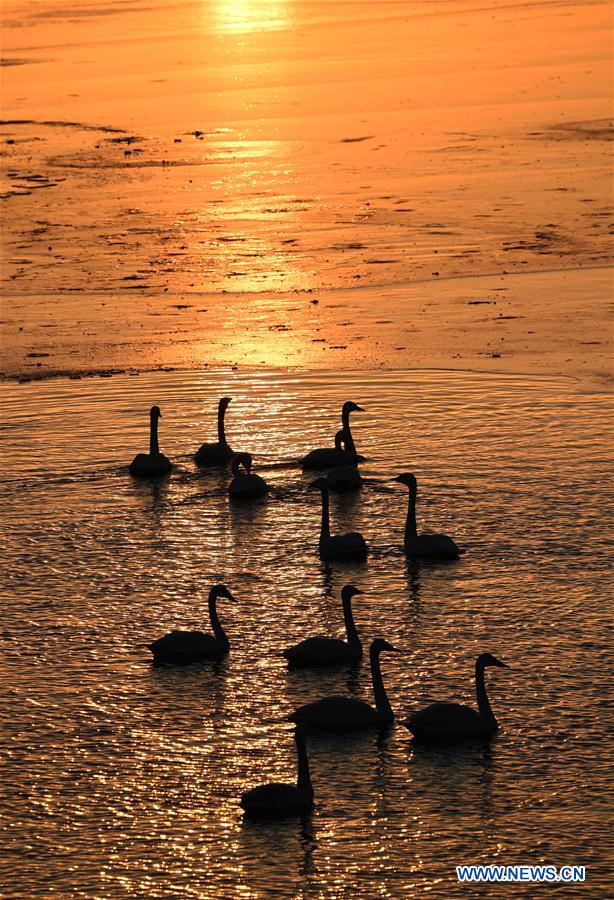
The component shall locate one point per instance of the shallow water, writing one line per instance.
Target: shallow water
(121, 780)
(393, 161)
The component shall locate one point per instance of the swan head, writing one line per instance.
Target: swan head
(349, 591)
(409, 480)
(155, 413)
(350, 407)
(340, 439)
(224, 402)
(320, 484)
(487, 659)
(220, 590)
(379, 645)
(241, 459)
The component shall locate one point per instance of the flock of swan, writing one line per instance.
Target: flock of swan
(438, 723)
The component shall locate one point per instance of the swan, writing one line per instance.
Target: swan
(245, 485)
(343, 478)
(324, 651)
(153, 464)
(350, 447)
(346, 714)
(424, 546)
(340, 546)
(325, 457)
(275, 800)
(219, 453)
(452, 722)
(181, 648)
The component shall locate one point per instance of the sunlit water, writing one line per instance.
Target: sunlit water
(121, 780)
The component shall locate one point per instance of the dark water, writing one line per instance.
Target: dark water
(123, 781)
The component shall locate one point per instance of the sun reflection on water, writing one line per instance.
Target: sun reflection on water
(136, 773)
(253, 217)
(251, 16)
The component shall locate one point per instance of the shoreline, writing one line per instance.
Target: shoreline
(541, 322)
(290, 370)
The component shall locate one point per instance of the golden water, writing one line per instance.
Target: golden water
(173, 170)
(123, 781)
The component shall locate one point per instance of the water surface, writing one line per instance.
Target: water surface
(121, 780)
(241, 158)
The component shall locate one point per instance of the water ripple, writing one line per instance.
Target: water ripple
(122, 780)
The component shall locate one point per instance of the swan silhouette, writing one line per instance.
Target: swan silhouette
(325, 651)
(340, 546)
(182, 648)
(245, 485)
(343, 478)
(452, 722)
(276, 800)
(325, 457)
(153, 464)
(345, 714)
(424, 546)
(219, 453)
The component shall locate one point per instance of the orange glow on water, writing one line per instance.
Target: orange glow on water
(239, 17)
(403, 203)
(390, 161)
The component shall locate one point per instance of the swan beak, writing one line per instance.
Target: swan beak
(358, 408)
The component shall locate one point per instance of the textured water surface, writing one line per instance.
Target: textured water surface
(120, 780)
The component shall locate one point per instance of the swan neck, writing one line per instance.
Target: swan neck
(216, 625)
(382, 704)
(154, 447)
(350, 446)
(484, 707)
(221, 434)
(303, 781)
(411, 530)
(350, 627)
(325, 526)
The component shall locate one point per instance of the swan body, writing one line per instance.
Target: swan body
(346, 477)
(453, 722)
(245, 485)
(340, 714)
(153, 464)
(340, 546)
(327, 457)
(278, 801)
(182, 648)
(144, 465)
(433, 546)
(324, 651)
(337, 714)
(218, 453)
(424, 546)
